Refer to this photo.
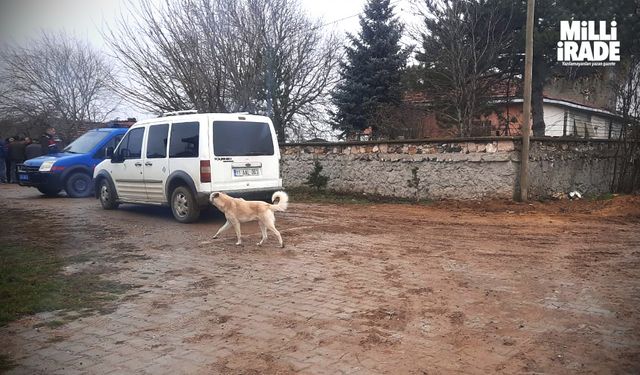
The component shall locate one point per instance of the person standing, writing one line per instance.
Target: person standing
(3, 162)
(7, 159)
(33, 149)
(16, 155)
(49, 141)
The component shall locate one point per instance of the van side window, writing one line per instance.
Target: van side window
(131, 145)
(185, 139)
(157, 141)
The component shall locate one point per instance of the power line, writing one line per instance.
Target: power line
(349, 17)
(336, 21)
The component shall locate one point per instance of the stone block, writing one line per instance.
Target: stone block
(472, 147)
(506, 146)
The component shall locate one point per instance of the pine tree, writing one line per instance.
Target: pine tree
(371, 74)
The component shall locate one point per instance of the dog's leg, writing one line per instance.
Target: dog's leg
(263, 230)
(271, 226)
(222, 229)
(236, 226)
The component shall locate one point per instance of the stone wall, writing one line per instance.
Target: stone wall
(473, 168)
(562, 166)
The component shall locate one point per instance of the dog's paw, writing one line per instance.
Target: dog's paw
(259, 244)
(215, 237)
(238, 243)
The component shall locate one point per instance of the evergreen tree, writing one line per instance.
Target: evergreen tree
(371, 74)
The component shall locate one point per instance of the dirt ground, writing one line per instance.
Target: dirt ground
(478, 287)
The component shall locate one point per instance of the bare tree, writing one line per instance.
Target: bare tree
(56, 78)
(462, 45)
(260, 56)
(165, 65)
(300, 66)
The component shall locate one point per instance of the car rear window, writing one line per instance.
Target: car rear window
(185, 139)
(241, 138)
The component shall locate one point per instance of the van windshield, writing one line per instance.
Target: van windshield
(86, 142)
(241, 138)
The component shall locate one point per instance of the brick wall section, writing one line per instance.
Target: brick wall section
(473, 168)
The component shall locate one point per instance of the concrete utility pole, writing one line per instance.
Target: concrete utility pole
(526, 115)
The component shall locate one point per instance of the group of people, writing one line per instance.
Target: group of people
(16, 150)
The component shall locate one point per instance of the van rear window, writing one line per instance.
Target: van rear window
(240, 138)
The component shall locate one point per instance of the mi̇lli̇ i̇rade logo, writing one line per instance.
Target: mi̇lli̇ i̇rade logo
(582, 45)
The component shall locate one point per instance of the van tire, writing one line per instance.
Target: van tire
(78, 185)
(107, 195)
(184, 206)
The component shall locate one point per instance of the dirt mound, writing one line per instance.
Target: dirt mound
(617, 206)
(626, 205)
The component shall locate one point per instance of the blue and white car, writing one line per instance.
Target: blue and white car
(72, 169)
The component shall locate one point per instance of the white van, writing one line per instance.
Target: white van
(179, 159)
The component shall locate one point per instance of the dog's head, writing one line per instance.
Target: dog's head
(217, 199)
(213, 197)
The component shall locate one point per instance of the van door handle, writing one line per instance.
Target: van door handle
(148, 164)
(138, 164)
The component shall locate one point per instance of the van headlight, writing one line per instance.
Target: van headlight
(46, 166)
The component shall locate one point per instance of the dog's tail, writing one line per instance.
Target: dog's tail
(283, 201)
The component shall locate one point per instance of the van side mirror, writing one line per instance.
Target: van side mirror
(108, 152)
(117, 157)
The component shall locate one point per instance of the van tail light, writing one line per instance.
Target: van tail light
(205, 171)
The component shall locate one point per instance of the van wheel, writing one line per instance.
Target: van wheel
(78, 185)
(184, 206)
(107, 195)
(49, 192)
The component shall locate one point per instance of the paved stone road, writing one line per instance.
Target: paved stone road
(359, 289)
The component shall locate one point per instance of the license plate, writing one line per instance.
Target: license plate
(244, 172)
(23, 177)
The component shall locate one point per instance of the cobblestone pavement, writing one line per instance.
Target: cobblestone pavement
(359, 289)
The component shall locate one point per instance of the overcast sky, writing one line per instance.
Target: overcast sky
(21, 20)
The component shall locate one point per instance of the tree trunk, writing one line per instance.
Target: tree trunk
(539, 78)
(537, 108)
(279, 127)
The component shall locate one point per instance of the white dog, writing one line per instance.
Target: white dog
(237, 211)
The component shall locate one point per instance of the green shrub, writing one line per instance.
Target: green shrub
(316, 179)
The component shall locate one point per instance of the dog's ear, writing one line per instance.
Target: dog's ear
(214, 196)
